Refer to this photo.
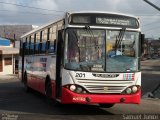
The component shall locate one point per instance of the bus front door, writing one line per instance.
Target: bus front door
(59, 54)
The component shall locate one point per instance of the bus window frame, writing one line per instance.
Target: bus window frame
(29, 49)
(34, 43)
(37, 42)
(51, 39)
(40, 42)
(47, 42)
(44, 40)
(26, 46)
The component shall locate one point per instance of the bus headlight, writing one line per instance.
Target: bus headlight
(128, 90)
(134, 89)
(131, 90)
(84, 92)
(79, 90)
(72, 87)
(76, 88)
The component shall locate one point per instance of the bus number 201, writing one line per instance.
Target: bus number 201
(80, 75)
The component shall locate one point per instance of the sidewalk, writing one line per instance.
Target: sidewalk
(151, 66)
(151, 61)
(8, 77)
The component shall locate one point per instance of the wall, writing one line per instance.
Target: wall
(7, 69)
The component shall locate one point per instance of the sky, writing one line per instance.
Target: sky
(14, 12)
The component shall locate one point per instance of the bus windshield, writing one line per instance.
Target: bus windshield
(101, 50)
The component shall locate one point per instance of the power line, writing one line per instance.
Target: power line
(152, 29)
(149, 24)
(30, 7)
(153, 5)
(148, 15)
(58, 15)
(28, 12)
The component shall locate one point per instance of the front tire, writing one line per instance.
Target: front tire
(48, 91)
(48, 96)
(106, 105)
(26, 88)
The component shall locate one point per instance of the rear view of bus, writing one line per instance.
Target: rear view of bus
(96, 59)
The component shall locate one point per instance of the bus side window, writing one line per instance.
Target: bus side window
(31, 44)
(34, 42)
(40, 48)
(52, 46)
(47, 46)
(43, 47)
(26, 47)
(36, 49)
(31, 48)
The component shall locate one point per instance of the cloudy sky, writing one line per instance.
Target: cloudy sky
(15, 12)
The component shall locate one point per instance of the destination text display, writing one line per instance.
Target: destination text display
(107, 20)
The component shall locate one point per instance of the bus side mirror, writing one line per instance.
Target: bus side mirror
(142, 43)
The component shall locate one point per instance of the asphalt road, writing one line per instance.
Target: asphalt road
(150, 75)
(16, 104)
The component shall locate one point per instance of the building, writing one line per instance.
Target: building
(151, 48)
(155, 44)
(8, 57)
(14, 32)
(9, 47)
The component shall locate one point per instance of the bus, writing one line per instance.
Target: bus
(86, 57)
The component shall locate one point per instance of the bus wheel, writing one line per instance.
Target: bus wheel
(26, 88)
(48, 91)
(106, 105)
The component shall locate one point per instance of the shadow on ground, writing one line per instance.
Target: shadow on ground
(149, 82)
(14, 98)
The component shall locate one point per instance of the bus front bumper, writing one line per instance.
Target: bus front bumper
(69, 97)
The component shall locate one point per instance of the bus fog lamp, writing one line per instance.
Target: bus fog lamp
(134, 89)
(84, 92)
(72, 88)
(79, 90)
(128, 90)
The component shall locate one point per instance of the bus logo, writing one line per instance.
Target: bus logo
(105, 89)
(106, 75)
(128, 76)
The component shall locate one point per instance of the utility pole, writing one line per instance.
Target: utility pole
(153, 5)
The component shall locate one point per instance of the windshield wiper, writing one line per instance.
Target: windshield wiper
(119, 39)
(76, 36)
(88, 29)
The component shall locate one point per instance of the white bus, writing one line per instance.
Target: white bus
(84, 58)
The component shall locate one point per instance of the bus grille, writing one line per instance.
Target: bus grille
(105, 86)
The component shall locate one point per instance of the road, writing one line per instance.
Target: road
(150, 75)
(16, 104)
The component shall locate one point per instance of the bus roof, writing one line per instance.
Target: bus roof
(104, 12)
(39, 28)
(69, 13)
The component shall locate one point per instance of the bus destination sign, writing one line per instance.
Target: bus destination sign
(113, 21)
(104, 20)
